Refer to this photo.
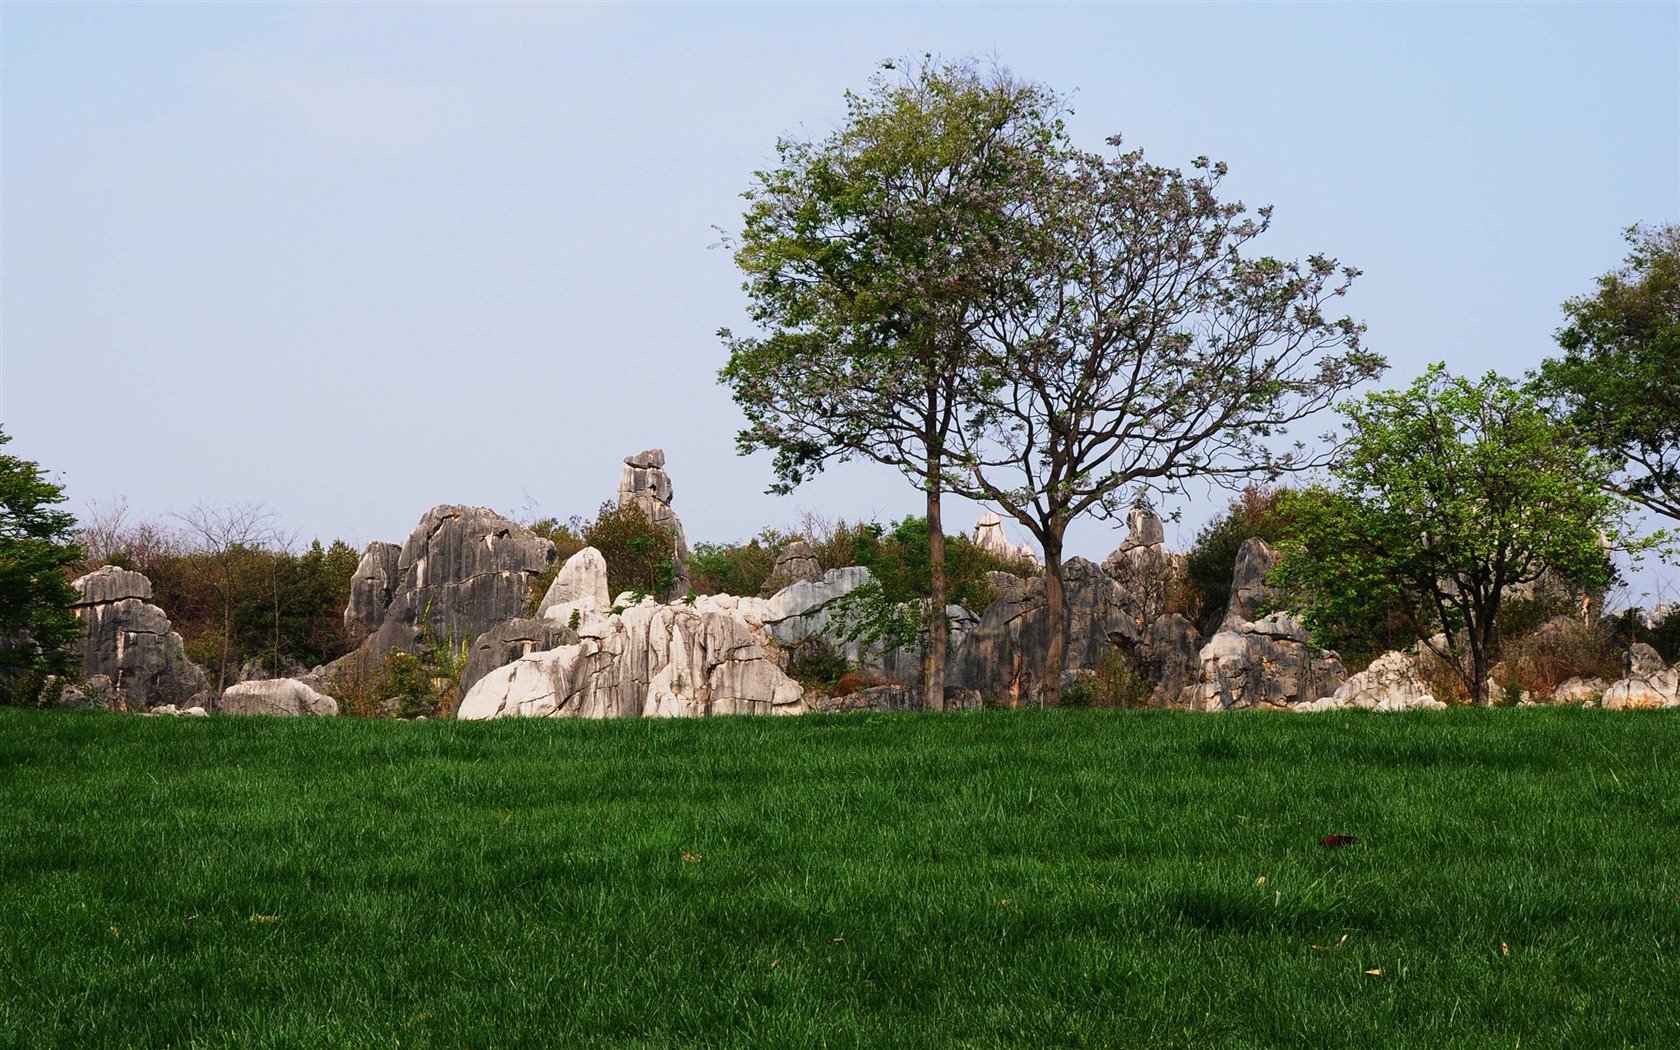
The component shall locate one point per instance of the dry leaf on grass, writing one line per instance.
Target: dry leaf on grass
(692, 858)
(265, 918)
(1375, 973)
(1261, 881)
(1336, 841)
(1331, 947)
(1504, 949)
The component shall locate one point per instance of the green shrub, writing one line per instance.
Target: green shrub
(736, 568)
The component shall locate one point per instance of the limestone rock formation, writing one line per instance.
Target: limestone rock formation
(128, 641)
(1003, 655)
(372, 588)
(462, 571)
(795, 563)
(284, 697)
(988, 535)
(508, 641)
(1249, 592)
(1168, 655)
(651, 660)
(1648, 683)
(646, 484)
(1143, 565)
(1393, 682)
(583, 578)
(1580, 690)
(1269, 662)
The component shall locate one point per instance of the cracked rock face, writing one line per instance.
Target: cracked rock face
(988, 535)
(652, 661)
(1269, 662)
(508, 641)
(128, 641)
(646, 484)
(463, 571)
(1003, 655)
(1648, 682)
(372, 588)
(1393, 682)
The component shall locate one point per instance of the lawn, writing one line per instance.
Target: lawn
(1035, 879)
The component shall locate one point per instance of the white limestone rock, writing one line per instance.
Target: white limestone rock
(284, 697)
(988, 535)
(582, 579)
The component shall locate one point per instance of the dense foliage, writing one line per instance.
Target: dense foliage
(640, 556)
(1619, 376)
(1452, 492)
(37, 546)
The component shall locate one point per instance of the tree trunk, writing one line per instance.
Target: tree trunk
(1056, 621)
(939, 629)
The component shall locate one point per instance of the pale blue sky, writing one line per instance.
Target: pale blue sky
(354, 261)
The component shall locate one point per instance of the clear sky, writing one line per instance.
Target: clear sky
(352, 261)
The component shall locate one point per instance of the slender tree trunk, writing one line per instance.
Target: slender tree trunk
(1056, 620)
(939, 629)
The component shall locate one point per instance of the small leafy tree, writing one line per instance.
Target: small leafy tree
(1451, 493)
(1619, 376)
(37, 626)
(1133, 344)
(640, 556)
(865, 256)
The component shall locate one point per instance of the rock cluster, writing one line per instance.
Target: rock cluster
(1393, 682)
(1648, 683)
(645, 484)
(129, 645)
(988, 535)
(462, 571)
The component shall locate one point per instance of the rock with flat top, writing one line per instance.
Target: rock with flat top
(281, 697)
(128, 642)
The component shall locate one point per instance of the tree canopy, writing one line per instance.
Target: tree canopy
(1451, 493)
(1619, 376)
(866, 255)
(37, 626)
(1135, 343)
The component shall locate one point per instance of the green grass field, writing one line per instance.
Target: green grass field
(1037, 879)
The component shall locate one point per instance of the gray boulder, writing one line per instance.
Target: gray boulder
(283, 697)
(1168, 655)
(651, 660)
(1642, 660)
(1269, 662)
(795, 563)
(128, 641)
(463, 571)
(582, 579)
(1003, 655)
(1249, 593)
(508, 641)
(645, 483)
(372, 588)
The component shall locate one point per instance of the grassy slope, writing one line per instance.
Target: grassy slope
(523, 883)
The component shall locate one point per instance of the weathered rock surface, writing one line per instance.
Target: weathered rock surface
(1143, 565)
(646, 484)
(1393, 682)
(1648, 683)
(508, 641)
(462, 571)
(1168, 654)
(582, 579)
(1249, 593)
(988, 535)
(1268, 662)
(651, 660)
(128, 641)
(1580, 690)
(795, 563)
(284, 697)
(1003, 655)
(372, 588)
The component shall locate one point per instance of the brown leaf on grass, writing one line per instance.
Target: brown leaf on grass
(775, 963)
(1504, 949)
(1331, 947)
(265, 918)
(1261, 881)
(189, 920)
(1336, 841)
(1375, 973)
(1004, 902)
(837, 940)
(692, 858)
